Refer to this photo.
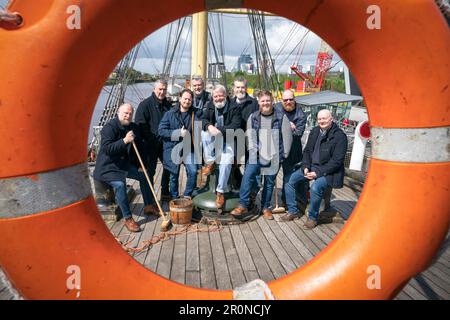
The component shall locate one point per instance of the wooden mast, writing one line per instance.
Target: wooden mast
(199, 44)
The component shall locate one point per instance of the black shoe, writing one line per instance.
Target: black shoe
(165, 197)
(288, 217)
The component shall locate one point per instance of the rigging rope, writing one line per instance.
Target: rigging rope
(266, 70)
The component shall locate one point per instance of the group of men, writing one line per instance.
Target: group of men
(201, 131)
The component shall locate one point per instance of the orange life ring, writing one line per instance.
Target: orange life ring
(51, 74)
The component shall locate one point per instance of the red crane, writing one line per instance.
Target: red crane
(323, 64)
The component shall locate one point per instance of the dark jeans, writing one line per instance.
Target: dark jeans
(301, 187)
(316, 193)
(151, 166)
(120, 191)
(249, 184)
(191, 181)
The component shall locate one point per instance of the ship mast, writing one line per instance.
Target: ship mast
(199, 43)
(200, 38)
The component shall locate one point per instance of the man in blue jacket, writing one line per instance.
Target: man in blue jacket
(323, 163)
(116, 161)
(176, 129)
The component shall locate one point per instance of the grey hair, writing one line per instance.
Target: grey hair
(161, 81)
(221, 88)
(197, 78)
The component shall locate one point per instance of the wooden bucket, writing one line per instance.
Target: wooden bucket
(181, 211)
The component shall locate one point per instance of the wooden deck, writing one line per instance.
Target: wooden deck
(261, 249)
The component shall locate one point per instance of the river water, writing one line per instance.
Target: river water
(135, 94)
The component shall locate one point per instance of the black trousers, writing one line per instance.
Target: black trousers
(152, 162)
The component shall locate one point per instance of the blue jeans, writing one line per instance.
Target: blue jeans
(288, 170)
(120, 191)
(226, 161)
(249, 183)
(316, 193)
(191, 182)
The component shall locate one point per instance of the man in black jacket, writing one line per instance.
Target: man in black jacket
(201, 96)
(218, 117)
(148, 116)
(116, 161)
(297, 121)
(246, 104)
(323, 163)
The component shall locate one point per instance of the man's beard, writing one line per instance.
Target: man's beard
(219, 105)
(240, 96)
(125, 123)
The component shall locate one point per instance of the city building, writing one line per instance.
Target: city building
(245, 63)
(216, 70)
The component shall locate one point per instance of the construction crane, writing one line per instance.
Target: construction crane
(314, 83)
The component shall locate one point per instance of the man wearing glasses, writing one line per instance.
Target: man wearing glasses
(297, 120)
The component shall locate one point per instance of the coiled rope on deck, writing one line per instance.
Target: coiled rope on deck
(209, 225)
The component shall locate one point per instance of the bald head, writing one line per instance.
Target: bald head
(324, 119)
(125, 114)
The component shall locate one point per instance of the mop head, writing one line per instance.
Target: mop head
(165, 225)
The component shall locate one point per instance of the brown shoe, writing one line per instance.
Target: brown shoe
(131, 225)
(239, 211)
(151, 209)
(220, 200)
(208, 169)
(310, 224)
(267, 214)
(288, 217)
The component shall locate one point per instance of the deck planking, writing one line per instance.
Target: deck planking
(262, 249)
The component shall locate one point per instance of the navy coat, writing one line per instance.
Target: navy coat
(171, 124)
(115, 157)
(333, 148)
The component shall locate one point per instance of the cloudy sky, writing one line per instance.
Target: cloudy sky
(237, 39)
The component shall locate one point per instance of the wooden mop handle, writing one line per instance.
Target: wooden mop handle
(161, 212)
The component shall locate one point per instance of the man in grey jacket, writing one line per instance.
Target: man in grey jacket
(269, 142)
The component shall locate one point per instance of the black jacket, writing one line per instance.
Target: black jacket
(148, 116)
(246, 108)
(200, 102)
(333, 148)
(115, 157)
(231, 117)
(298, 117)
